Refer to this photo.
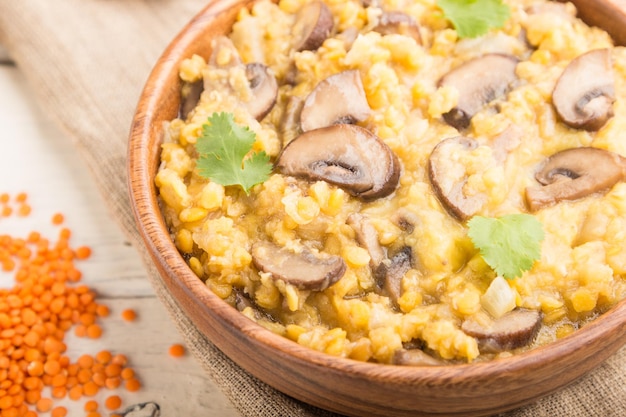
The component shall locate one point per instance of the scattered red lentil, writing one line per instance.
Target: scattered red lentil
(129, 314)
(113, 402)
(58, 412)
(23, 210)
(127, 374)
(91, 405)
(44, 405)
(177, 350)
(133, 385)
(21, 197)
(94, 331)
(58, 218)
(83, 252)
(45, 303)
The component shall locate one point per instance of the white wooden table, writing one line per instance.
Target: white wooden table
(36, 158)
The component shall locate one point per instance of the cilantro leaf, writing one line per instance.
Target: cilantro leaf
(224, 153)
(473, 18)
(509, 244)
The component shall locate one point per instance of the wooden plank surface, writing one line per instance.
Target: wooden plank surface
(36, 158)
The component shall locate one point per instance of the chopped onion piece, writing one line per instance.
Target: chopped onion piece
(499, 298)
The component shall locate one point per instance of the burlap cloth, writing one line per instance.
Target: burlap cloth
(87, 61)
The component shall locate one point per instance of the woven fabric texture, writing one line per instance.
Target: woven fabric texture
(87, 61)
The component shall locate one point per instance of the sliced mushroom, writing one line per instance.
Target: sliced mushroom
(479, 81)
(339, 98)
(554, 9)
(584, 93)
(575, 173)
(348, 36)
(223, 53)
(367, 237)
(190, 96)
(509, 139)
(261, 79)
(492, 43)
(390, 272)
(448, 177)
(303, 270)
(348, 156)
(264, 89)
(414, 357)
(243, 301)
(398, 23)
(314, 23)
(405, 220)
(515, 329)
(289, 127)
(370, 3)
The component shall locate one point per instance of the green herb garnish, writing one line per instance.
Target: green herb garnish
(510, 244)
(225, 155)
(473, 18)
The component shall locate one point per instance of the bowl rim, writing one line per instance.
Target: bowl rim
(161, 248)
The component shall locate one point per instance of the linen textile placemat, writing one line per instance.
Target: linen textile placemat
(87, 61)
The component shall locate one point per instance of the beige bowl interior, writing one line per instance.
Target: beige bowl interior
(335, 384)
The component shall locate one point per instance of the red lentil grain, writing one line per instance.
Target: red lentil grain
(44, 405)
(57, 218)
(23, 210)
(94, 331)
(127, 374)
(91, 405)
(113, 402)
(58, 412)
(83, 252)
(133, 385)
(176, 350)
(129, 314)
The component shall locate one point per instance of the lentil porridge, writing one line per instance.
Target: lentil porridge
(388, 134)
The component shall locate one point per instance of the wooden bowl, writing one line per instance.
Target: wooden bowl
(336, 384)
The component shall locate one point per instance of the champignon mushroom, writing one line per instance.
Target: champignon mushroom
(398, 23)
(190, 96)
(414, 357)
(224, 54)
(289, 127)
(584, 93)
(367, 237)
(303, 270)
(243, 301)
(312, 26)
(553, 9)
(448, 177)
(390, 272)
(509, 139)
(348, 36)
(479, 81)
(264, 90)
(575, 173)
(339, 98)
(348, 156)
(513, 330)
